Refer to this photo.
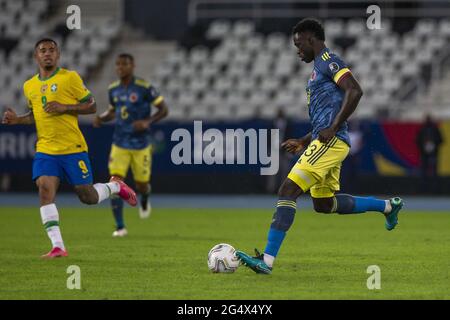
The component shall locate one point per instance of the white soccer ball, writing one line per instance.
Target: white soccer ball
(222, 258)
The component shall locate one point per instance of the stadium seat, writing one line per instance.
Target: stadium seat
(198, 55)
(444, 28)
(197, 84)
(200, 112)
(243, 29)
(218, 29)
(177, 112)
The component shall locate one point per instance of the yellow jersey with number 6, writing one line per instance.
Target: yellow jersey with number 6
(57, 133)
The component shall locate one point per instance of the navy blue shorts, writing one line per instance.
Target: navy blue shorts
(74, 168)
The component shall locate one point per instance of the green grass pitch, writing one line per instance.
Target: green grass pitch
(164, 257)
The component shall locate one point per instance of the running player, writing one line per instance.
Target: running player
(332, 96)
(56, 97)
(131, 101)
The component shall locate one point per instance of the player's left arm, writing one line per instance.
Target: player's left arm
(86, 107)
(78, 90)
(353, 94)
(144, 124)
(163, 111)
(159, 103)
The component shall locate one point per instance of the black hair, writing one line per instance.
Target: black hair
(310, 25)
(44, 40)
(126, 56)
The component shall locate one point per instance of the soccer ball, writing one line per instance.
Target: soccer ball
(222, 258)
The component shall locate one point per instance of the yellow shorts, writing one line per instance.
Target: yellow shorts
(120, 160)
(319, 167)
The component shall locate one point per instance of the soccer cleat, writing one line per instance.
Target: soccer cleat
(120, 233)
(55, 253)
(145, 212)
(257, 263)
(392, 217)
(125, 192)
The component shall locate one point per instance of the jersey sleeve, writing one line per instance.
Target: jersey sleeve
(153, 96)
(78, 89)
(334, 67)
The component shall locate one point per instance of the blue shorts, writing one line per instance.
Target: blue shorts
(74, 168)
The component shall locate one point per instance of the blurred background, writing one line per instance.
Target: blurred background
(232, 64)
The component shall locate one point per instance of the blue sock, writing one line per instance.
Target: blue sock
(117, 208)
(274, 240)
(347, 204)
(282, 221)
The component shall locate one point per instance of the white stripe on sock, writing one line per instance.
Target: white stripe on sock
(268, 259)
(388, 207)
(105, 190)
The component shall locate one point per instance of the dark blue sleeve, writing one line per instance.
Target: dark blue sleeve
(333, 67)
(153, 95)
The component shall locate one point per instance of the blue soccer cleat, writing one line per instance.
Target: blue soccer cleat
(392, 217)
(257, 263)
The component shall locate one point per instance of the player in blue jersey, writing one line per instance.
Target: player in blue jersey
(130, 103)
(332, 96)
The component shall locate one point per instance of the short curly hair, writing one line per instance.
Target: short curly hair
(310, 25)
(45, 40)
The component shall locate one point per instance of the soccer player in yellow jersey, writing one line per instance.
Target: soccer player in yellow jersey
(56, 97)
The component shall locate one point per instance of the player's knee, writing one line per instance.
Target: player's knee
(323, 206)
(46, 191)
(289, 189)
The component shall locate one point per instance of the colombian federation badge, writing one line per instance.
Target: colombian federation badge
(133, 97)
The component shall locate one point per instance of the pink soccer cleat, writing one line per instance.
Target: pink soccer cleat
(55, 253)
(126, 193)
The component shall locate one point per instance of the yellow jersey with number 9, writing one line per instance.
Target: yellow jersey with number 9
(57, 133)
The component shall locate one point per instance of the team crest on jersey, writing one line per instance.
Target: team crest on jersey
(44, 88)
(334, 67)
(313, 75)
(133, 97)
(54, 87)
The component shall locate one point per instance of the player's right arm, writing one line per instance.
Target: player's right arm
(297, 145)
(10, 117)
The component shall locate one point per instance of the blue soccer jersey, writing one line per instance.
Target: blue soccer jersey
(324, 97)
(132, 103)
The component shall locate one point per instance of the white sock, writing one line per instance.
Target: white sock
(105, 190)
(388, 207)
(268, 259)
(50, 219)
